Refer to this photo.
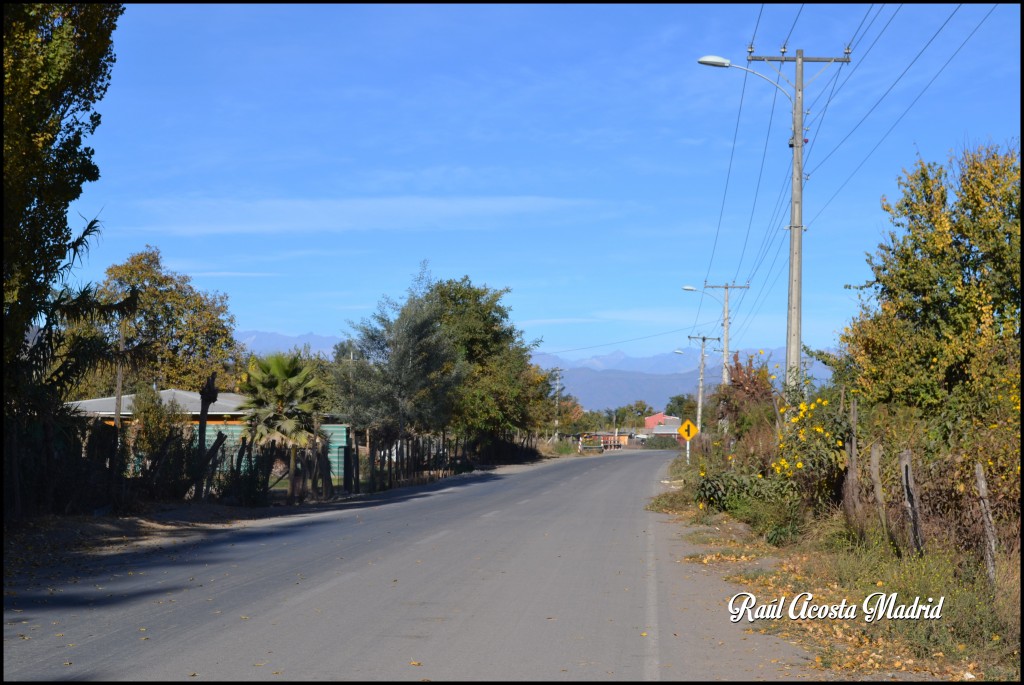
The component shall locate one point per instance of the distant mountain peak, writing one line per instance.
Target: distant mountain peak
(598, 383)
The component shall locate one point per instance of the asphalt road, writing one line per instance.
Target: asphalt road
(553, 572)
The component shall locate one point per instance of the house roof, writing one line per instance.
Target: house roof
(227, 403)
(663, 429)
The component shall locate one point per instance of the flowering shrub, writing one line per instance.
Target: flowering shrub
(771, 505)
(811, 449)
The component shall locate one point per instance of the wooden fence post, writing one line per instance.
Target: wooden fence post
(876, 482)
(986, 519)
(910, 501)
(851, 482)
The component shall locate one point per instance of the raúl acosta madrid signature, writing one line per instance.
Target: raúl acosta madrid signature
(877, 605)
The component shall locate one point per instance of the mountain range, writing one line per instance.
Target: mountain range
(598, 383)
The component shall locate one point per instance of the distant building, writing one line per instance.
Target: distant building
(661, 419)
(662, 424)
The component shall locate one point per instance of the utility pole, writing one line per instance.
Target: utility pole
(796, 221)
(725, 328)
(700, 383)
(558, 390)
(796, 227)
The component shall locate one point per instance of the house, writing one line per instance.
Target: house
(661, 418)
(224, 415)
(662, 424)
(225, 409)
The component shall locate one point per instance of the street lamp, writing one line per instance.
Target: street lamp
(725, 328)
(796, 205)
(700, 386)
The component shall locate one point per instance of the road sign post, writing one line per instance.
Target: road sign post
(689, 432)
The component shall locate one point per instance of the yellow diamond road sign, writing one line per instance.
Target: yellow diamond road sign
(688, 430)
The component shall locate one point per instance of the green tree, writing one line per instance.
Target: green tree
(938, 336)
(684, 406)
(160, 442)
(503, 394)
(183, 334)
(283, 393)
(945, 293)
(57, 61)
(63, 347)
(406, 370)
(632, 415)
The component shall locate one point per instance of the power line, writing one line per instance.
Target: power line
(891, 86)
(914, 101)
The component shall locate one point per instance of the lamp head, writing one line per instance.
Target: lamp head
(714, 61)
(689, 288)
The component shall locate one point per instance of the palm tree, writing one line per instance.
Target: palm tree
(282, 393)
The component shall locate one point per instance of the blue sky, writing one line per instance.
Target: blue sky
(305, 160)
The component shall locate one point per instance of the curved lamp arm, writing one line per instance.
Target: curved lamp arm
(715, 61)
(691, 289)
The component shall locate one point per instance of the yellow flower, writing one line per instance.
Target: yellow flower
(839, 443)
(700, 506)
(760, 476)
(799, 464)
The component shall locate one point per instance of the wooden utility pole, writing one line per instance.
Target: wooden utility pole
(725, 328)
(700, 383)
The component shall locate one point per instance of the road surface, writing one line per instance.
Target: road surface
(550, 572)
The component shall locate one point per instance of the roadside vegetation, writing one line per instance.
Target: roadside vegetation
(902, 473)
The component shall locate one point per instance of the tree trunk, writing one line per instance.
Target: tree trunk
(207, 396)
(355, 466)
(204, 465)
(292, 476)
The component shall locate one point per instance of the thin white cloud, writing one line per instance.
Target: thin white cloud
(189, 217)
(231, 274)
(661, 315)
(549, 322)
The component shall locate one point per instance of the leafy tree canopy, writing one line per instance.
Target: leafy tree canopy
(503, 391)
(283, 392)
(186, 334)
(57, 62)
(943, 313)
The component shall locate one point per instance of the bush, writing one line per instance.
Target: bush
(661, 442)
(771, 506)
(811, 449)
